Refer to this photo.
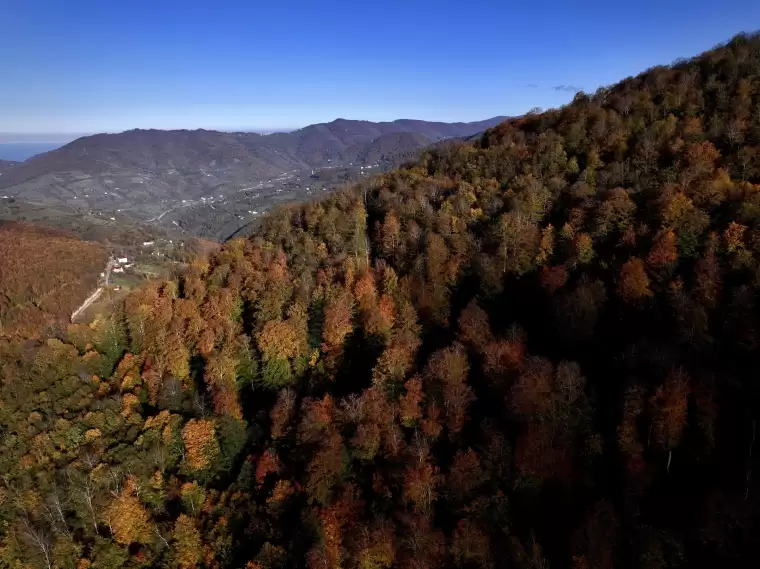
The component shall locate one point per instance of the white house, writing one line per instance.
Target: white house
(122, 260)
(118, 270)
(147, 243)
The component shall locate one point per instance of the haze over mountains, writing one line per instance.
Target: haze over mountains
(148, 174)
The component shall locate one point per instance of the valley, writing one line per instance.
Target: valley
(233, 213)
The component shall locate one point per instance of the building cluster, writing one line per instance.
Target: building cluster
(120, 263)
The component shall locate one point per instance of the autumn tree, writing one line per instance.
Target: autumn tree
(669, 407)
(470, 544)
(474, 328)
(633, 283)
(127, 518)
(221, 376)
(282, 412)
(201, 445)
(465, 474)
(278, 344)
(448, 369)
(187, 543)
(664, 252)
(338, 322)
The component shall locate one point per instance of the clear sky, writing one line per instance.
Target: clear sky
(73, 66)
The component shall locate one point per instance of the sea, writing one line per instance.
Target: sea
(20, 151)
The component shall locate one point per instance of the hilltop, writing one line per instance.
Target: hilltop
(536, 349)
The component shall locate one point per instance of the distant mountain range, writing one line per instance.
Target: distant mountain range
(147, 173)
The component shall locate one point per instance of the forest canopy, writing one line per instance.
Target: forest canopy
(45, 274)
(531, 351)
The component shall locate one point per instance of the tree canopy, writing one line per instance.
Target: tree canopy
(533, 350)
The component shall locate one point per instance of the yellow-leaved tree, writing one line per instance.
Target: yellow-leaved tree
(201, 446)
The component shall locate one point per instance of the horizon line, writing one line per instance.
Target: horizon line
(54, 137)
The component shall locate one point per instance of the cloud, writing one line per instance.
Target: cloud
(568, 88)
(532, 86)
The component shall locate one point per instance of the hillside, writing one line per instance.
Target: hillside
(147, 173)
(45, 275)
(6, 164)
(535, 350)
(89, 226)
(387, 145)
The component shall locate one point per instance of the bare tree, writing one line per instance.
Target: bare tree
(734, 133)
(33, 534)
(90, 460)
(158, 533)
(114, 482)
(54, 510)
(85, 491)
(37, 538)
(171, 389)
(200, 404)
(158, 456)
(352, 408)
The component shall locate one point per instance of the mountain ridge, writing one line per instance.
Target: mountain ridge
(145, 172)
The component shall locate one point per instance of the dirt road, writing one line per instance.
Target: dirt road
(95, 295)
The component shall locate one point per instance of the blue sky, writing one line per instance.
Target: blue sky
(73, 66)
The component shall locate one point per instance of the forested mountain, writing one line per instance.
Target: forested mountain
(144, 173)
(537, 350)
(44, 275)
